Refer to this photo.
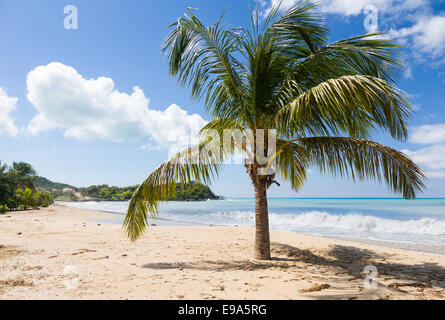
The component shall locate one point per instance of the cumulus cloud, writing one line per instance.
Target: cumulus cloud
(89, 109)
(7, 105)
(411, 23)
(285, 4)
(428, 134)
(354, 7)
(427, 35)
(432, 157)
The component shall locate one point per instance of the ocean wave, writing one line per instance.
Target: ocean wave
(350, 222)
(349, 225)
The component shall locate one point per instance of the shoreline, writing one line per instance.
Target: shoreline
(405, 245)
(196, 262)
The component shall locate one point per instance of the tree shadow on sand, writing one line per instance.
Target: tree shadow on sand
(344, 259)
(352, 260)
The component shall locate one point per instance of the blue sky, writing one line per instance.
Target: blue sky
(55, 84)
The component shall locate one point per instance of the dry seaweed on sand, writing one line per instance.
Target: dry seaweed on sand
(318, 287)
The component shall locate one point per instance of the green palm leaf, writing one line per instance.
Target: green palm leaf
(193, 164)
(362, 159)
(352, 105)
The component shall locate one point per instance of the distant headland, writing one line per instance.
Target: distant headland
(193, 191)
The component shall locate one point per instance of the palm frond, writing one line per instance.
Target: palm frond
(240, 139)
(299, 26)
(270, 50)
(368, 55)
(221, 124)
(349, 105)
(203, 58)
(193, 164)
(292, 162)
(363, 160)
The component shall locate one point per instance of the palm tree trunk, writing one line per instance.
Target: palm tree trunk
(262, 238)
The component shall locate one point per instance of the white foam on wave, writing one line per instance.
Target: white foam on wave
(350, 222)
(108, 206)
(353, 225)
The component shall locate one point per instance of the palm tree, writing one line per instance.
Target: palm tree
(4, 186)
(20, 175)
(324, 100)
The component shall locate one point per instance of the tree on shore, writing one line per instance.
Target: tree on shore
(324, 100)
(17, 190)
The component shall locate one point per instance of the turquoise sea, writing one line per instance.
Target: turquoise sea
(415, 224)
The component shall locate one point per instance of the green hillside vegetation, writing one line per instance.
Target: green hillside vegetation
(46, 184)
(104, 192)
(193, 191)
(17, 188)
(21, 188)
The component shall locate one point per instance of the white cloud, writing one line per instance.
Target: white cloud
(151, 147)
(411, 23)
(428, 134)
(93, 109)
(285, 4)
(432, 159)
(7, 105)
(174, 127)
(355, 7)
(427, 35)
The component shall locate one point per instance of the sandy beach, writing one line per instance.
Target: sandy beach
(66, 253)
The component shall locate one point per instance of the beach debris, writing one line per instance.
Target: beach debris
(29, 268)
(124, 255)
(106, 257)
(154, 225)
(82, 251)
(318, 287)
(219, 288)
(52, 257)
(19, 233)
(438, 294)
(7, 252)
(16, 283)
(397, 285)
